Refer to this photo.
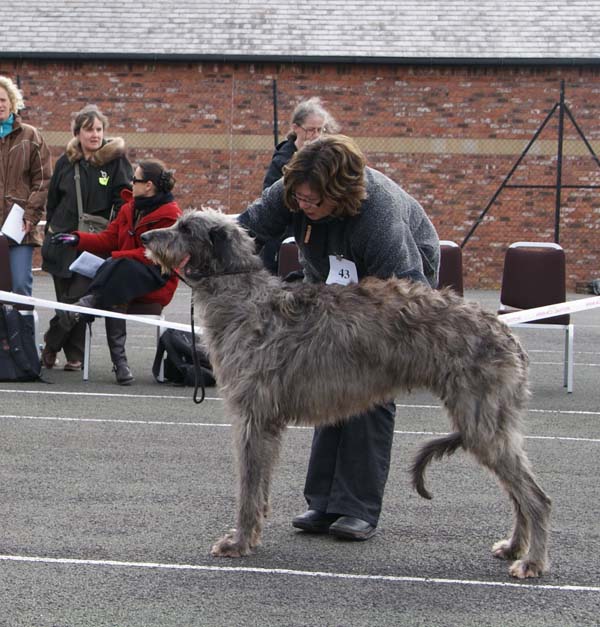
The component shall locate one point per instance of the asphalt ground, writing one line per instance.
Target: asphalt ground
(111, 498)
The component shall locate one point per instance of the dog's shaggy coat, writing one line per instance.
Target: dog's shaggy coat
(316, 354)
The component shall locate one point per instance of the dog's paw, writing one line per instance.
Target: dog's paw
(523, 569)
(505, 550)
(229, 546)
(255, 538)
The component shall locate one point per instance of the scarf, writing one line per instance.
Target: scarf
(143, 205)
(6, 126)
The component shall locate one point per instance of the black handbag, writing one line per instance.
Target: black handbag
(179, 359)
(19, 359)
(88, 222)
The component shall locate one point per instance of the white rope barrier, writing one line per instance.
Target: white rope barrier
(104, 313)
(513, 318)
(538, 313)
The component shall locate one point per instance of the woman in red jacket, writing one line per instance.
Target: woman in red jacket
(127, 275)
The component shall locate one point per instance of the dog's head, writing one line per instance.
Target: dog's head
(200, 244)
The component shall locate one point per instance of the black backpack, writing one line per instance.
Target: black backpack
(179, 359)
(19, 359)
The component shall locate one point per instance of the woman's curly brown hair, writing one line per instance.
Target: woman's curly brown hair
(333, 166)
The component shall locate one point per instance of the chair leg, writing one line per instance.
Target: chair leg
(569, 350)
(161, 372)
(86, 351)
(36, 333)
(36, 329)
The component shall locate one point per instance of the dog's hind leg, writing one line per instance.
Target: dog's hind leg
(518, 543)
(532, 512)
(257, 451)
(528, 541)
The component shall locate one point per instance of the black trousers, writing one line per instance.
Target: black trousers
(56, 337)
(119, 281)
(349, 465)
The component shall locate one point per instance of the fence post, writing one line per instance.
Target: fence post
(275, 122)
(559, 160)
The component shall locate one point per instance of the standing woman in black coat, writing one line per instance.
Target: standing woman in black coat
(310, 120)
(104, 171)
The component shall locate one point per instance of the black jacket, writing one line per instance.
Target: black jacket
(283, 153)
(102, 179)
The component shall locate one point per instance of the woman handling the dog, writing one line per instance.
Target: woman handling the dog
(349, 222)
(88, 178)
(128, 275)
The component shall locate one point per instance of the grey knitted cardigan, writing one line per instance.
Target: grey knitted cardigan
(391, 236)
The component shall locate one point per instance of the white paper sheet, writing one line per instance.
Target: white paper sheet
(87, 264)
(13, 225)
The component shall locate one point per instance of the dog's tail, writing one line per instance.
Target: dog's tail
(432, 449)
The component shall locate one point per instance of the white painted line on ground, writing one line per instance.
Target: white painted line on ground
(551, 350)
(168, 423)
(174, 423)
(295, 573)
(107, 394)
(219, 399)
(579, 364)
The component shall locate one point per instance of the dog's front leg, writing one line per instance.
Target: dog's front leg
(257, 452)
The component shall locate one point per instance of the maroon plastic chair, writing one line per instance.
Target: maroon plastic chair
(534, 275)
(288, 257)
(451, 266)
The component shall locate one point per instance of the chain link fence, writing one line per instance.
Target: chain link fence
(218, 132)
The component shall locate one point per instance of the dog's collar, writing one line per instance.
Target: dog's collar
(213, 274)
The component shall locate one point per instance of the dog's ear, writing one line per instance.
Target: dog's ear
(218, 238)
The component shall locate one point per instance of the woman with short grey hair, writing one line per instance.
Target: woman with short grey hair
(309, 121)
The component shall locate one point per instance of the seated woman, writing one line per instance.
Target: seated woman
(128, 275)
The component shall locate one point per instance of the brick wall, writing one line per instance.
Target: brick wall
(448, 135)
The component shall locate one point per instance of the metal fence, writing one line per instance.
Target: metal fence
(218, 133)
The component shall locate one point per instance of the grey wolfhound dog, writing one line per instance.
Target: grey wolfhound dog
(307, 354)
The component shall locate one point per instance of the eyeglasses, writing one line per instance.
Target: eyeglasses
(306, 201)
(313, 130)
(134, 180)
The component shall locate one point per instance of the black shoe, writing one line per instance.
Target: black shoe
(314, 521)
(349, 528)
(123, 374)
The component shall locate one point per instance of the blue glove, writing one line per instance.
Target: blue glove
(66, 239)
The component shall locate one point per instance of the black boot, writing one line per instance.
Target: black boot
(116, 334)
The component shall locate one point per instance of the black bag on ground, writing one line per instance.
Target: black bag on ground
(179, 359)
(19, 360)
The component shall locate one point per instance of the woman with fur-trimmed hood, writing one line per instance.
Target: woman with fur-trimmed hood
(104, 172)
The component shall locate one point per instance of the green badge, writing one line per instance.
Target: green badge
(103, 178)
